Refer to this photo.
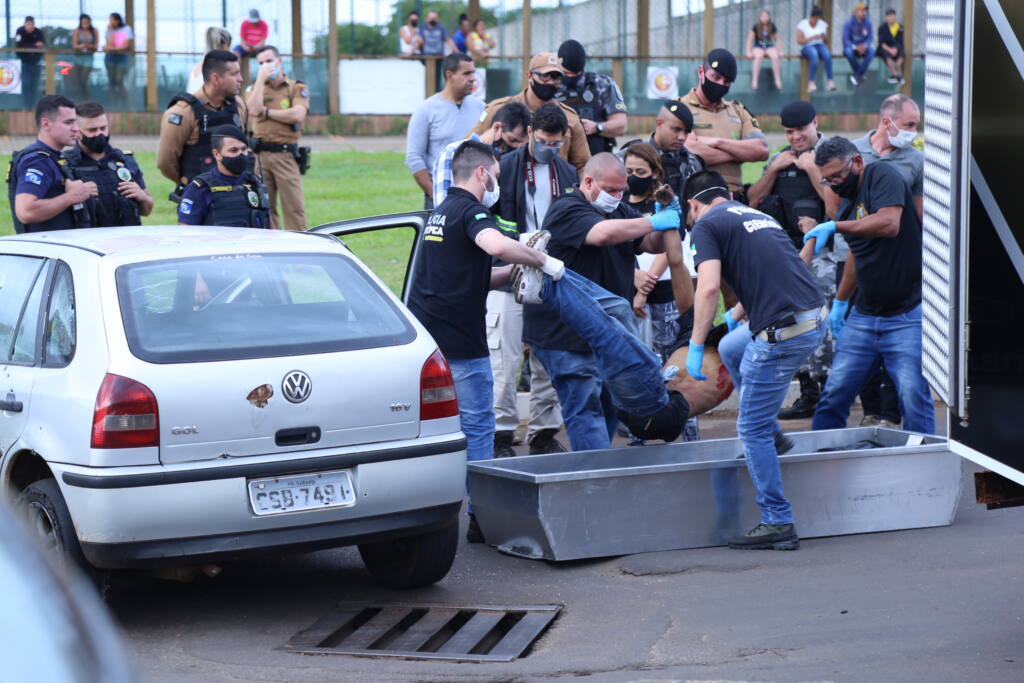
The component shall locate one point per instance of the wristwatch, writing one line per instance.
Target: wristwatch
(600, 128)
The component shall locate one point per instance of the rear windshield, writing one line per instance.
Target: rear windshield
(254, 306)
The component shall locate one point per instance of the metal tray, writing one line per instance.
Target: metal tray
(569, 506)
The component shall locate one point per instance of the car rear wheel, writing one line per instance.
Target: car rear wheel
(414, 561)
(50, 522)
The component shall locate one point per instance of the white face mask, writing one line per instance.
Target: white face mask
(490, 197)
(605, 203)
(903, 138)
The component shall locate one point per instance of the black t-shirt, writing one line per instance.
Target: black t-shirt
(569, 219)
(888, 268)
(452, 276)
(758, 261)
(29, 39)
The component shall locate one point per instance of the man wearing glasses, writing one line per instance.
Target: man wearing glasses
(881, 224)
(543, 79)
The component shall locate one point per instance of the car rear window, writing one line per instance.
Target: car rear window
(254, 306)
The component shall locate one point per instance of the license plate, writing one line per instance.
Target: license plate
(301, 492)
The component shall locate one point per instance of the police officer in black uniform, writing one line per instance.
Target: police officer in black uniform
(43, 191)
(671, 128)
(123, 198)
(230, 195)
(790, 186)
(187, 125)
(595, 97)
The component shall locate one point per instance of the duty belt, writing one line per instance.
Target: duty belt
(264, 146)
(774, 334)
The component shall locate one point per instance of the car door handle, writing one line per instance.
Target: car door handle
(10, 405)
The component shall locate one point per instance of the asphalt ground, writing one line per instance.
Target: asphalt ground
(941, 604)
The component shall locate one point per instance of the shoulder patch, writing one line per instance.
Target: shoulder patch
(185, 207)
(175, 119)
(480, 216)
(34, 176)
(304, 93)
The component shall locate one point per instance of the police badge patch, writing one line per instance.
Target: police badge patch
(254, 200)
(123, 173)
(175, 119)
(304, 93)
(185, 207)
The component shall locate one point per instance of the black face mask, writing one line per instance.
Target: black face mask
(543, 91)
(414, 22)
(572, 82)
(236, 164)
(848, 188)
(432, 24)
(96, 144)
(639, 186)
(500, 147)
(713, 91)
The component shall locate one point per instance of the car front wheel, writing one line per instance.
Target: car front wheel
(414, 561)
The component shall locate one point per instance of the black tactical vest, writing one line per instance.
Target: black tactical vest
(111, 209)
(796, 197)
(75, 217)
(198, 158)
(585, 100)
(678, 166)
(245, 205)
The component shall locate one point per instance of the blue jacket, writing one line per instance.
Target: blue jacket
(857, 33)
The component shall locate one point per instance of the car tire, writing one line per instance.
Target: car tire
(413, 561)
(49, 522)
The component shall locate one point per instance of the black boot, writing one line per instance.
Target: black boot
(544, 442)
(503, 441)
(803, 407)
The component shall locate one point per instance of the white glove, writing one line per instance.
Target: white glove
(553, 267)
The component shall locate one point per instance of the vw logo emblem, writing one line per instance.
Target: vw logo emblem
(297, 386)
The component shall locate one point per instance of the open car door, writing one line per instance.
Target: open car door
(389, 245)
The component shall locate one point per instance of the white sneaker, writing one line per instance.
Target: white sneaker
(853, 80)
(526, 283)
(812, 87)
(537, 240)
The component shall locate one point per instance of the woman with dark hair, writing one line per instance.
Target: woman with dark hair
(119, 46)
(763, 40)
(85, 40)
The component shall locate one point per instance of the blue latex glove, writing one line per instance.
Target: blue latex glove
(666, 219)
(658, 206)
(695, 359)
(729, 321)
(837, 316)
(822, 231)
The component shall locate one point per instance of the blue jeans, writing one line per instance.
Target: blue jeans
(474, 388)
(762, 373)
(864, 341)
(859, 63)
(618, 372)
(813, 53)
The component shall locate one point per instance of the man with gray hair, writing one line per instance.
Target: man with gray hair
(882, 226)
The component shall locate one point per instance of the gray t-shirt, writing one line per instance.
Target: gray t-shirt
(437, 122)
(433, 39)
(909, 161)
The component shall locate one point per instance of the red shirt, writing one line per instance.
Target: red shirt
(253, 34)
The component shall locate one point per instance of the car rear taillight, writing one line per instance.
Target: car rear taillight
(126, 415)
(437, 389)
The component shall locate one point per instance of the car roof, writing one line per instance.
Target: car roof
(169, 240)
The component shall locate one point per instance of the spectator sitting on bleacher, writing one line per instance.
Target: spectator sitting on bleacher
(857, 47)
(253, 35)
(890, 46)
(812, 37)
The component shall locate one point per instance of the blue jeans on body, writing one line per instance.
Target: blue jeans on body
(474, 388)
(813, 53)
(762, 373)
(859, 63)
(619, 371)
(864, 341)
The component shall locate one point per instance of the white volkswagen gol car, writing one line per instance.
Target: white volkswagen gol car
(178, 396)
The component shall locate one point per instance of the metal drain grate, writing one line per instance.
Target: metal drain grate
(470, 634)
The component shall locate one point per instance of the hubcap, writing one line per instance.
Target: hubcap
(43, 524)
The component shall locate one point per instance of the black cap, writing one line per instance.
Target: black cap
(722, 61)
(230, 131)
(681, 112)
(573, 56)
(797, 114)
